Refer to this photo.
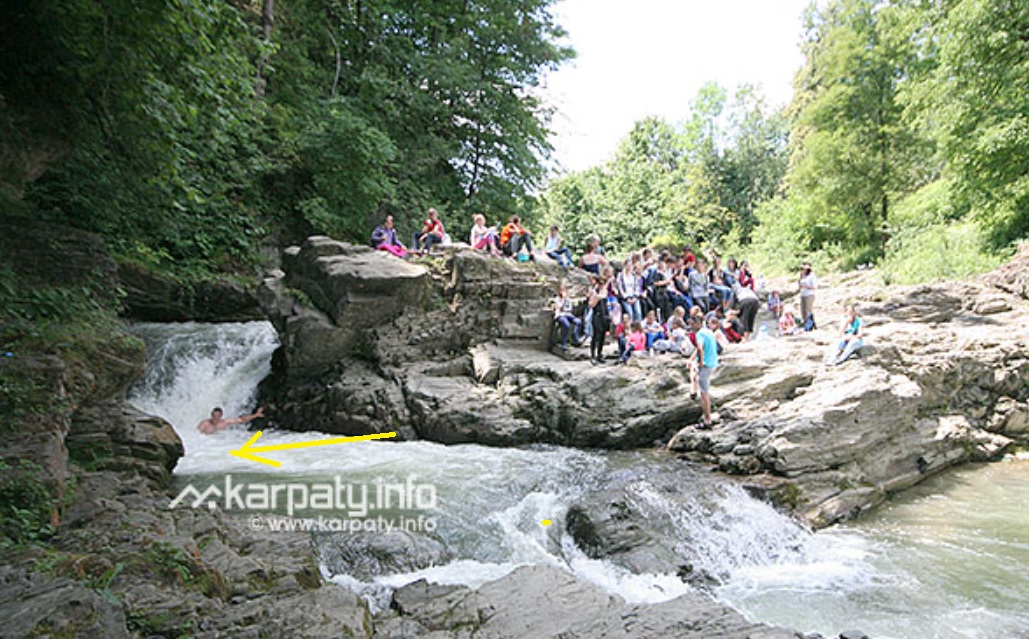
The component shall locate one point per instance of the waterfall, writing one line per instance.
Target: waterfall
(946, 560)
(192, 368)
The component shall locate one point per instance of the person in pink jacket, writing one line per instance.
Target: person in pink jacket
(635, 341)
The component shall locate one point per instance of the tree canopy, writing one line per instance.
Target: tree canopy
(184, 131)
(906, 143)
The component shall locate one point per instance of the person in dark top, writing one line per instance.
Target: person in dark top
(592, 261)
(597, 301)
(385, 238)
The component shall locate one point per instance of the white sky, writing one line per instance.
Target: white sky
(638, 58)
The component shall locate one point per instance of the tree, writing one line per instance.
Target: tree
(977, 101)
(851, 147)
(694, 183)
(755, 159)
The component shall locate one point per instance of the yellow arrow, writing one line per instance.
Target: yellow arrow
(248, 449)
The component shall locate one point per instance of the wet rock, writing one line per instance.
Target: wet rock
(537, 601)
(853, 634)
(116, 436)
(365, 556)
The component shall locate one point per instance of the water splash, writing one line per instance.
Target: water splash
(938, 561)
(192, 368)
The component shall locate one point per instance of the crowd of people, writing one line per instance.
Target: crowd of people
(652, 302)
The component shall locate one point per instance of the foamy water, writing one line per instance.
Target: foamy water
(946, 561)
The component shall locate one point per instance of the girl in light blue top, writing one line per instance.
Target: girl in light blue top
(851, 336)
(560, 254)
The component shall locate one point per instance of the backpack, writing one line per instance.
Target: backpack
(809, 322)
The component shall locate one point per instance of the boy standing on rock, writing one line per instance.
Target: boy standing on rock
(707, 359)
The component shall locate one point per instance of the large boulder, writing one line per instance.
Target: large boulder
(329, 299)
(520, 395)
(364, 555)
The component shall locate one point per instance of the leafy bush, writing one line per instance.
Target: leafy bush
(940, 251)
(26, 501)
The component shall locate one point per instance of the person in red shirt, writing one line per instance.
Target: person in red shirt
(431, 234)
(514, 237)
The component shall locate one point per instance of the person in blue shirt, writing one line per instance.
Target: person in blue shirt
(707, 359)
(851, 336)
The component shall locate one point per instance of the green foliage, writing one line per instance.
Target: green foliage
(931, 240)
(190, 129)
(695, 183)
(976, 104)
(909, 137)
(852, 150)
(939, 251)
(348, 162)
(26, 502)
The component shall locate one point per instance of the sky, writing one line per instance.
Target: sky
(650, 57)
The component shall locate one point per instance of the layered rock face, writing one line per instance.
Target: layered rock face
(454, 348)
(450, 348)
(118, 561)
(944, 380)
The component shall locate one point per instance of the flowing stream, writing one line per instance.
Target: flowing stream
(949, 559)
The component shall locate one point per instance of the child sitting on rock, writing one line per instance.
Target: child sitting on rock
(635, 342)
(653, 329)
(788, 324)
(679, 312)
(775, 306)
(676, 340)
(622, 331)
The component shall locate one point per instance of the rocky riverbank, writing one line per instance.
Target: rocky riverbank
(454, 348)
(115, 561)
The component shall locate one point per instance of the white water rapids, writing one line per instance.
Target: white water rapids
(949, 560)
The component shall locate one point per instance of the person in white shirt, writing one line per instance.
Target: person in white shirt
(483, 237)
(630, 290)
(554, 249)
(808, 286)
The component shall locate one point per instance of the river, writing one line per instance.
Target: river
(947, 560)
